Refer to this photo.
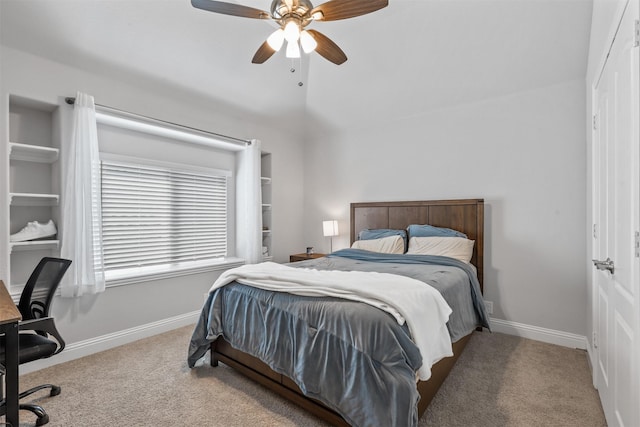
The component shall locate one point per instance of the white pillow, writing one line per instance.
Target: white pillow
(387, 245)
(452, 247)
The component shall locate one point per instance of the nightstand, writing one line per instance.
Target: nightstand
(304, 257)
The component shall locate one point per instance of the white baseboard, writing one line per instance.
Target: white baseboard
(105, 342)
(115, 339)
(537, 333)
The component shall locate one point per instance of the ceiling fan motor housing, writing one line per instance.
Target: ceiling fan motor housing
(297, 8)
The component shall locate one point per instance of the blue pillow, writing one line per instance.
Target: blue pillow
(416, 230)
(379, 233)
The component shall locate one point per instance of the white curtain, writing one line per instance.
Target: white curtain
(81, 207)
(249, 204)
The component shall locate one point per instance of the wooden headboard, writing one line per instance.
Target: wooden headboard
(465, 215)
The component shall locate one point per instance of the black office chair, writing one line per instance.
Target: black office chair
(36, 327)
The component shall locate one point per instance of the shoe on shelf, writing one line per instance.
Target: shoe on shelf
(34, 230)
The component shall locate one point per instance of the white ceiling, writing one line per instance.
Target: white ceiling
(410, 57)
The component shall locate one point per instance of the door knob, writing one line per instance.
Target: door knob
(604, 265)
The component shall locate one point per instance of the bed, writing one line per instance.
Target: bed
(273, 371)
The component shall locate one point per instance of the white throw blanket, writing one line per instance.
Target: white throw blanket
(422, 306)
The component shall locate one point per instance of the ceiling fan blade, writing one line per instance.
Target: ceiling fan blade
(343, 9)
(263, 53)
(327, 48)
(230, 9)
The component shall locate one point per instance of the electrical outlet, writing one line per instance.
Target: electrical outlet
(488, 305)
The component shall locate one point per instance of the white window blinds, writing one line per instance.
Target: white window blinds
(155, 215)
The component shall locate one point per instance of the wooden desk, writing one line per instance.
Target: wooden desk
(9, 318)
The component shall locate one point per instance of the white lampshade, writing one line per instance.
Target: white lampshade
(292, 31)
(330, 228)
(307, 41)
(276, 39)
(293, 50)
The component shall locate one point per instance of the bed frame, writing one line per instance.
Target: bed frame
(463, 215)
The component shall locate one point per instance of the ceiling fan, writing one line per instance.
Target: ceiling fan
(293, 16)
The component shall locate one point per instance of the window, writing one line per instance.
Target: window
(158, 214)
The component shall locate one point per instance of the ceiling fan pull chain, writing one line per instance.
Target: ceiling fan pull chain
(300, 68)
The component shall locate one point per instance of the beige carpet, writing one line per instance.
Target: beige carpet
(500, 380)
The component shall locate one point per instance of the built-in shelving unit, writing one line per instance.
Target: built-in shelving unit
(33, 190)
(267, 232)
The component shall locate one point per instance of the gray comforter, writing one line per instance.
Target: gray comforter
(456, 281)
(354, 358)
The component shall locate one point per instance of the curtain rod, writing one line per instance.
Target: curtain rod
(72, 100)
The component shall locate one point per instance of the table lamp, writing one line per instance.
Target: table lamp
(330, 229)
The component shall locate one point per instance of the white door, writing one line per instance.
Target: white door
(616, 198)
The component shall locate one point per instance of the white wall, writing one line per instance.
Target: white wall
(125, 307)
(523, 153)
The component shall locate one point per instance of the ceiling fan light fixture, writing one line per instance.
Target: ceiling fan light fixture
(276, 39)
(292, 31)
(293, 16)
(307, 42)
(293, 50)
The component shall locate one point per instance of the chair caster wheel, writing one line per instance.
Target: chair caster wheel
(55, 390)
